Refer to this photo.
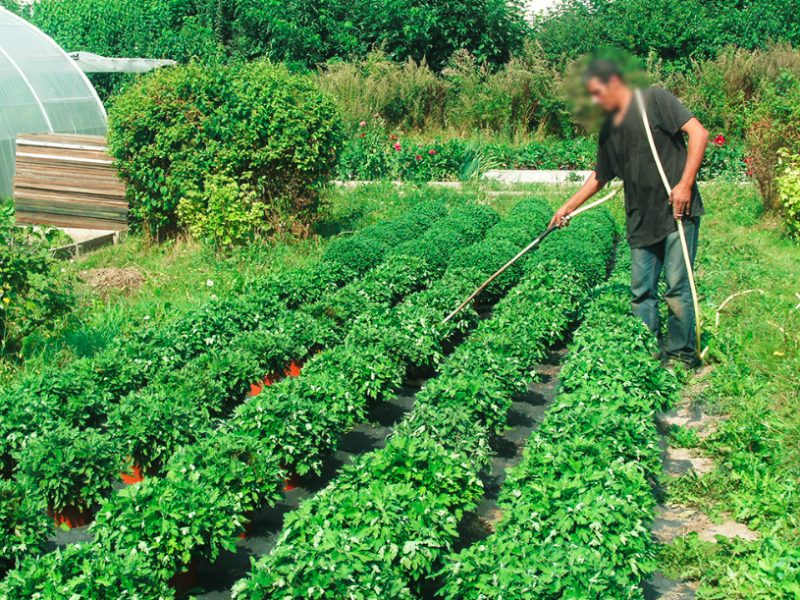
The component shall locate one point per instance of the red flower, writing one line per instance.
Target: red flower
(363, 135)
(392, 136)
(720, 140)
(398, 147)
(418, 157)
(431, 151)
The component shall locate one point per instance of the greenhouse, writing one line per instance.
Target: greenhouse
(42, 90)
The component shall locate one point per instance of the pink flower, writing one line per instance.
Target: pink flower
(431, 151)
(398, 147)
(362, 124)
(418, 157)
(720, 140)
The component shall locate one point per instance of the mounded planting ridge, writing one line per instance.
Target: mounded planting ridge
(201, 503)
(577, 511)
(385, 522)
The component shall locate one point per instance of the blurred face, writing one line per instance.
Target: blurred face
(607, 95)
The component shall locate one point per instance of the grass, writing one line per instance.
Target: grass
(755, 389)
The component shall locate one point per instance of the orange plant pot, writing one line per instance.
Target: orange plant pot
(133, 476)
(293, 370)
(248, 526)
(291, 481)
(71, 516)
(257, 388)
(185, 580)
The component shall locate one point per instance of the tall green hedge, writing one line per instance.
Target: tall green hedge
(257, 124)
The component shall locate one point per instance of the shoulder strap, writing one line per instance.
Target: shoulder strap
(668, 188)
(646, 121)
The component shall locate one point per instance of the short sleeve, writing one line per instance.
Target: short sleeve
(603, 169)
(669, 113)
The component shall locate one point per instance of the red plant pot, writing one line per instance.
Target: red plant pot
(293, 370)
(133, 476)
(71, 516)
(248, 526)
(185, 580)
(257, 388)
(291, 481)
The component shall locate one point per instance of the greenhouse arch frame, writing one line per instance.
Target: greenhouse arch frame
(42, 90)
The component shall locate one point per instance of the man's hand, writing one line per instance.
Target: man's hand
(560, 218)
(680, 199)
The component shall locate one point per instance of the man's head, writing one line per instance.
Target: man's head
(605, 83)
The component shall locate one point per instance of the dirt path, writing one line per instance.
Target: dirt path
(674, 520)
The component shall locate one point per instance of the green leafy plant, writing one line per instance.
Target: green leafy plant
(34, 290)
(225, 213)
(789, 193)
(22, 519)
(71, 468)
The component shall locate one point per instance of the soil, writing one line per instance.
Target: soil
(672, 520)
(105, 281)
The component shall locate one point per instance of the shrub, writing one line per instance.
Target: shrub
(33, 288)
(788, 184)
(226, 213)
(22, 520)
(152, 28)
(773, 126)
(257, 124)
(71, 468)
(675, 31)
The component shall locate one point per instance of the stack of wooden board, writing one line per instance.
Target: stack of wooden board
(68, 181)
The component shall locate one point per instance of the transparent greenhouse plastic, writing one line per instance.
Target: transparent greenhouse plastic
(42, 90)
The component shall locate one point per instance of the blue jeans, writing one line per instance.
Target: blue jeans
(646, 266)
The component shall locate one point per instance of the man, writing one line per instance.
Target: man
(624, 152)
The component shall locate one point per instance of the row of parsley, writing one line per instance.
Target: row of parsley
(72, 428)
(149, 531)
(384, 523)
(577, 511)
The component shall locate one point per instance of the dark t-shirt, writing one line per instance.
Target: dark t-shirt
(624, 152)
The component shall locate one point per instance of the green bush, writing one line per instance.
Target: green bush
(675, 31)
(226, 213)
(256, 124)
(789, 193)
(131, 28)
(70, 468)
(34, 290)
(22, 519)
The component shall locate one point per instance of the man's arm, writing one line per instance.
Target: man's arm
(588, 189)
(681, 196)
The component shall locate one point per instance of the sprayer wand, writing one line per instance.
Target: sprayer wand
(527, 249)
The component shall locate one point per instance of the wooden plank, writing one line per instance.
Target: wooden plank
(64, 138)
(87, 206)
(68, 181)
(65, 221)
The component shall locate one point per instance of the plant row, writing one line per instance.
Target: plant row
(70, 455)
(577, 510)
(383, 524)
(202, 502)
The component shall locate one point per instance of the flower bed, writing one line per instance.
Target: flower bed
(202, 503)
(577, 511)
(386, 520)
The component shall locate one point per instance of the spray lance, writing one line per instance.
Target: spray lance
(528, 248)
